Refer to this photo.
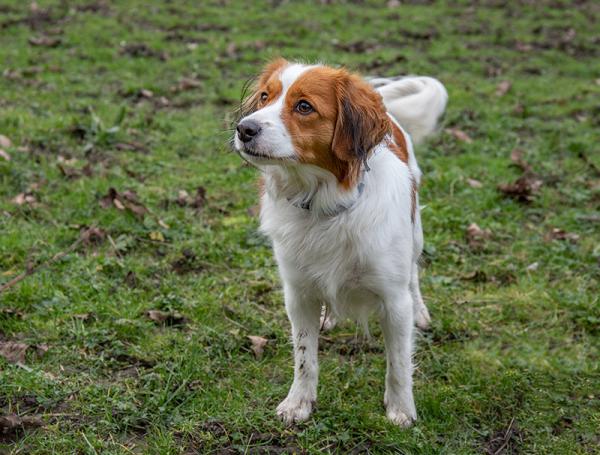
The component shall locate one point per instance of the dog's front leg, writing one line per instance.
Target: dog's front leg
(397, 325)
(303, 311)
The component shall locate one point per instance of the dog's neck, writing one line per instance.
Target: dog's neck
(312, 188)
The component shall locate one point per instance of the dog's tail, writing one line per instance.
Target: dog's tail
(416, 102)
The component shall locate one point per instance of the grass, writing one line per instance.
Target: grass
(138, 96)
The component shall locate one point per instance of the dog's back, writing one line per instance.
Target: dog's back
(416, 103)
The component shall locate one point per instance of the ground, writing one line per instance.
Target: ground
(136, 229)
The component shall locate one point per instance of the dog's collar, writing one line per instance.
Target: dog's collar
(306, 204)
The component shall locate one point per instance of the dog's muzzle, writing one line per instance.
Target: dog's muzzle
(247, 130)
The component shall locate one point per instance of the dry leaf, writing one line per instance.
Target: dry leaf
(93, 235)
(523, 189)
(257, 345)
(83, 317)
(24, 198)
(476, 236)
(166, 318)
(44, 41)
(4, 155)
(183, 198)
(12, 423)
(200, 199)
(13, 352)
(474, 183)
(516, 156)
(5, 142)
(145, 93)
(157, 236)
(502, 88)
(459, 135)
(559, 234)
(127, 200)
(131, 279)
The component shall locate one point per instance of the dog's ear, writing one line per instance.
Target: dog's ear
(362, 122)
(250, 103)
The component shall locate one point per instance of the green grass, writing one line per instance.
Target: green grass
(511, 362)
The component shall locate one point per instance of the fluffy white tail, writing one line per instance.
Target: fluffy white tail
(416, 102)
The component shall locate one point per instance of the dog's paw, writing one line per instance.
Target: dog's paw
(293, 411)
(422, 318)
(398, 417)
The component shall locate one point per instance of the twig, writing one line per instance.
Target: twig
(30, 270)
(507, 436)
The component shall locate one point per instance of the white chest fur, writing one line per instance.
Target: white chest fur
(349, 260)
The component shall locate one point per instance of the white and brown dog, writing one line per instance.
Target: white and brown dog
(340, 204)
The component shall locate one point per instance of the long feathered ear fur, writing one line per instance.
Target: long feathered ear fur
(362, 122)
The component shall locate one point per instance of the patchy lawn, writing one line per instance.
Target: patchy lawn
(136, 228)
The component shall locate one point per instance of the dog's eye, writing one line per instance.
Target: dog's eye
(304, 107)
(264, 96)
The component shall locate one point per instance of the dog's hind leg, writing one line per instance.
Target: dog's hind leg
(420, 311)
(421, 314)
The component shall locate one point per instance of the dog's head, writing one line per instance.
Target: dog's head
(311, 115)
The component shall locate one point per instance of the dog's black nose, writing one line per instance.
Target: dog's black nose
(247, 130)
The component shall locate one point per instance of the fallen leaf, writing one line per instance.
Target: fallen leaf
(68, 172)
(533, 266)
(12, 351)
(523, 189)
(516, 156)
(44, 41)
(476, 236)
(157, 236)
(131, 279)
(459, 135)
(183, 198)
(93, 236)
(170, 318)
(145, 93)
(118, 204)
(4, 155)
(127, 200)
(5, 142)
(559, 234)
(257, 345)
(186, 83)
(200, 198)
(83, 317)
(10, 312)
(142, 50)
(474, 183)
(12, 423)
(24, 198)
(502, 88)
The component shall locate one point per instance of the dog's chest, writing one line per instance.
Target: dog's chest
(328, 252)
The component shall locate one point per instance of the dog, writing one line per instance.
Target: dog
(339, 201)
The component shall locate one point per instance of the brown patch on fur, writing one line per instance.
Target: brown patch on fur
(399, 146)
(349, 119)
(267, 82)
